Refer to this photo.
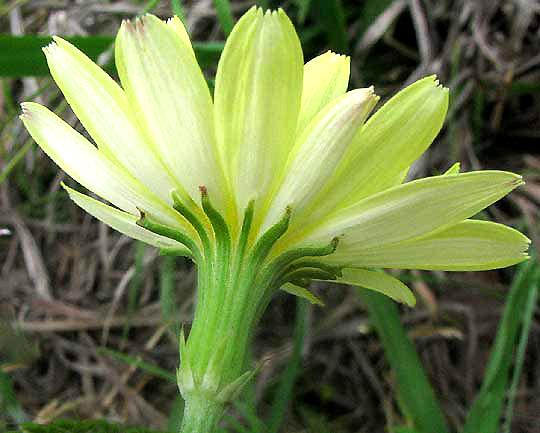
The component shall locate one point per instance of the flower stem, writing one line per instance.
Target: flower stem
(236, 281)
(201, 414)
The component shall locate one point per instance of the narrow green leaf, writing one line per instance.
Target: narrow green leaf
(139, 363)
(149, 6)
(284, 393)
(522, 346)
(264, 4)
(331, 16)
(136, 282)
(9, 404)
(10, 107)
(87, 426)
(235, 426)
(247, 408)
(303, 9)
(22, 56)
(166, 289)
(316, 422)
(486, 410)
(178, 9)
(224, 13)
(301, 292)
(371, 10)
(524, 87)
(424, 414)
(15, 159)
(176, 414)
(402, 429)
(28, 144)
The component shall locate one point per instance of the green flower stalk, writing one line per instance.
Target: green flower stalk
(282, 178)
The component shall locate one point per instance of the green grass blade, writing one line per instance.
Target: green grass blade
(246, 407)
(235, 426)
(15, 159)
(371, 10)
(89, 426)
(149, 6)
(136, 282)
(331, 16)
(315, 422)
(264, 4)
(176, 414)
(284, 391)
(402, 429)
(303, 9)
(9, 404)
(225, 16)
(167, 298)
(139, 363)
(10, 108)
(424, 413)
(178, 9)
(20, 153)
(22, 55)
(208, 53)
(522, 346)
(486, 410)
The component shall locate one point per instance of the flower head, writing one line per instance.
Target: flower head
(281, 178)
(283, 161)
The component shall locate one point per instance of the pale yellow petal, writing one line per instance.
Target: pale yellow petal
(467, 246)
(257, 101)
(390, 141)
(83, 162)
(455, 169)
(380, 282)
(318, 151)
(102, 107)
(326, 78)
(418, 208)
(178, 26)
(167, 91)
(121, 221)
(393, 138)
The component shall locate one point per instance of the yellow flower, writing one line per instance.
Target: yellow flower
(278, 132)
(276, 180)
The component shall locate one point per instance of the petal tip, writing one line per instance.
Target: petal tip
(124, 24)
(24, 110)
(409, 300)
(50, 49)
(431, 81)
(516, 181)
(27, 110)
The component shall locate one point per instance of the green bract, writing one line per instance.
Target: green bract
(277, 181)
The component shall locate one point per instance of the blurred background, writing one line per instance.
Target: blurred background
(89, 318)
